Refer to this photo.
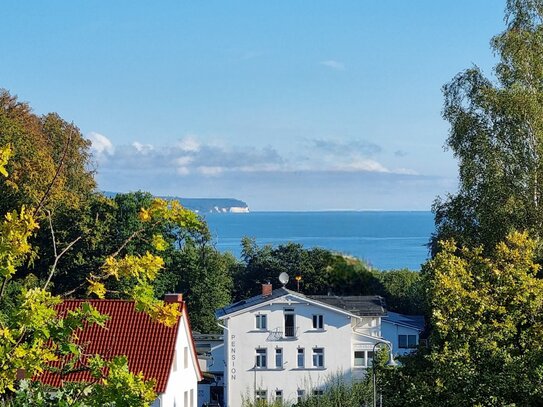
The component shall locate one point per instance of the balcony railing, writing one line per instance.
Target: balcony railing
(290, 333)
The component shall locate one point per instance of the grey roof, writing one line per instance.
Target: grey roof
(357, 305)
(367, 305)
(414, 321)
(249, 302)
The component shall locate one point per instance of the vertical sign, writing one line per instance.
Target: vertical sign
(233, 357)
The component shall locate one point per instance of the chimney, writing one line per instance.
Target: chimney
(170, 298)
(267, 289)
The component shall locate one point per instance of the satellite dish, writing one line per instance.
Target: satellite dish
(283, 278)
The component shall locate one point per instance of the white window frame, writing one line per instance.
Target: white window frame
(300, 357)
(318, 357)
(318, 321)
(261, 395)
(261, 358)
(408, 345)
(279, 357)
(261, 322)
(279, 396)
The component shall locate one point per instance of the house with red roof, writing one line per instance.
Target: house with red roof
(165, 354)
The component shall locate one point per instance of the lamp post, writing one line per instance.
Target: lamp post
(390, 362)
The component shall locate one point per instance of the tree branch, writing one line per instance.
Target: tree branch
(57, 173)
(57, 256)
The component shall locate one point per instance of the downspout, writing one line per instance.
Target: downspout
(227, 362)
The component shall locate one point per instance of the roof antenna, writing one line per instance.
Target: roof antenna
(283, 278)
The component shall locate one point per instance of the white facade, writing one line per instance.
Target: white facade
(287, 346)
(210, 349)
(403, 331)
(181, 390)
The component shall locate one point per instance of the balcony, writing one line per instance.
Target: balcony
(289, 334)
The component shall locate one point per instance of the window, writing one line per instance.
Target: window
(278, 357)
(186, 399)
(261, 395)
(301, 394)
(279, 396)
(261, 322)
(261, 358)
(359, 358)
(318, 357)
(290, 330)
(186, 357)
(369, 356)
(407, 341)
(363, 358)
(318, 322)
(174, 367)
(191, 397)
(318, 393)
(300, 359)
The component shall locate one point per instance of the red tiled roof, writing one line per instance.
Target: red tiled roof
(148, 345)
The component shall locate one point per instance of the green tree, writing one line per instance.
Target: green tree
(487, 319)
(45, 148)
(497, 136)
(404, 291)
(204, 276)
(32, 335)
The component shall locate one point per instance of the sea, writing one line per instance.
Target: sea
(384, 240)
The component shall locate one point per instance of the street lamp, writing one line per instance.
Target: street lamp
(390, 362)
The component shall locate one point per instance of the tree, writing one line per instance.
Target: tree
(33, 335)
(497, 136)
(403, 290)
(44, 148)
(205, 276)
(487, 319)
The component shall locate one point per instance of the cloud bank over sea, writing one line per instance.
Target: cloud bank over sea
(316, 174)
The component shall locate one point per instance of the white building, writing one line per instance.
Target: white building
(403, 331)
(210, 350)
(285, 345)
(165, 354)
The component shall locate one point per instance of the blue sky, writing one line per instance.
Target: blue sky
(288, 105)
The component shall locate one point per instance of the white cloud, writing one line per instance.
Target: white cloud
(142, 148)
(189, 144)
(330, 63)
(100, 144)
(362, 165)
(210, 171)
(185, 160)
(183, 171)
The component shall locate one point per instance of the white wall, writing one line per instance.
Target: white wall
(390, 332)
(184, 377)
(242, 339)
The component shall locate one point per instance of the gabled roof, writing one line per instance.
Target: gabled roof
(411, 321)
(356, 305)
(249, 302)
(148, 345)
(368, 305)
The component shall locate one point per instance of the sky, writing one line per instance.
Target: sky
(286, 105)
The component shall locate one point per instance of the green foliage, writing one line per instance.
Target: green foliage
(497, 136)
(204, 276)
(488, 323)
(38, 144)
(324, 272)
(337, 393)
(33, 335)
(120, 389)
(404, 291)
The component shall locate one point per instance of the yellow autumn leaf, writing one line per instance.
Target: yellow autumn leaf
(97, 288)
